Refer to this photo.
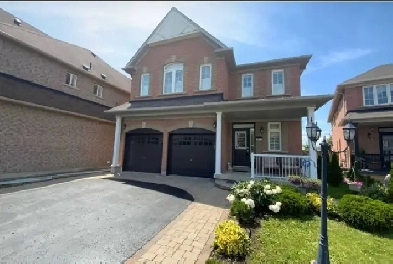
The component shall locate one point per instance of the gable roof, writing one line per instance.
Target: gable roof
(64, 52)
(174, 24)
(380, 72)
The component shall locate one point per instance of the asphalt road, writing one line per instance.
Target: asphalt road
(87, 220)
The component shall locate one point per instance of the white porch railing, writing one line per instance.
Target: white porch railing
(279, 166)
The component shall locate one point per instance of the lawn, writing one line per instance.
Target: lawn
(296, 241)
(338, 192)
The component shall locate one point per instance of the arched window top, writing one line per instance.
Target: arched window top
(173, 66)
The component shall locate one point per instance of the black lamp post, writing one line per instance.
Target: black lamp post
(314, 133)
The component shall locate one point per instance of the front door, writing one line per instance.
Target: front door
(387, 150)
(241, 147)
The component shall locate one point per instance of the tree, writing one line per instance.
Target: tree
(335, 175)
(306, 147)
(329, 140)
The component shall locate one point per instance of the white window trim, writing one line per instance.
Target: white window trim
(100, 90)
(274, 130)
(283, 81)
(200, 77)
(72, 76)
(375, 94)
(148, 86)
(252, 84)
(173, 71)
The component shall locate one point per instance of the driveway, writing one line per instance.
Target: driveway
(95, 220)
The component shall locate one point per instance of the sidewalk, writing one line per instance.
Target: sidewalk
(187, 239)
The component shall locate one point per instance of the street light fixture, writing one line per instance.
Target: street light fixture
(314, 133)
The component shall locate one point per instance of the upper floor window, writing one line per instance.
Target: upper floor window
(97, 90)
(205, 80)
(173, 78)
(278, 82)
(274, 135)
(71, 79)
(247, 85)
(145, 81)
(381, 94)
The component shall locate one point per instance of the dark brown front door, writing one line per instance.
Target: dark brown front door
(241, 147)
(143, 151)
(191, 153)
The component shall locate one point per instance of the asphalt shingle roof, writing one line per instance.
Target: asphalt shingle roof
(380, 72)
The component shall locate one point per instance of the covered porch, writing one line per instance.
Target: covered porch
(253, 138)
(374, 141)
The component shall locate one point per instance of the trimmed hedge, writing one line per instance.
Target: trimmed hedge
(293, 203)
(365, 213)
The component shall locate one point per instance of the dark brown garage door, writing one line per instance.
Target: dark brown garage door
(143, 151)
(192, 153)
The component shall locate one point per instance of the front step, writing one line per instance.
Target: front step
(241, 168)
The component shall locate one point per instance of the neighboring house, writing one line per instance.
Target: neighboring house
(52, 101)
(193, 110)
(367, 101)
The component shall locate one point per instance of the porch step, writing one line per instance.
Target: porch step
(241, 169)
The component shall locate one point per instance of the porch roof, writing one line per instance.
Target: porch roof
(300, 103)
(367, 117)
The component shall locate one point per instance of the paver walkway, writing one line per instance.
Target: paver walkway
(186, 240)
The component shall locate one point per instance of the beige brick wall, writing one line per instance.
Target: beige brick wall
(24, 63)
(33, 139)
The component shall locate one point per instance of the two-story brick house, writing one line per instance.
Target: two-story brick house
(367, 101)
(193, 110)
(52, 101)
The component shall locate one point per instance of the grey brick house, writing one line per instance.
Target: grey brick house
(52, 101)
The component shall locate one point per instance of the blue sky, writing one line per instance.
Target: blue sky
(345, 38)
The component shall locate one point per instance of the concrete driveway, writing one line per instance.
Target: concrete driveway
(94, 220)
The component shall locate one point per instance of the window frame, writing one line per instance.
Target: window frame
(148, 85)
(173, 71)
(269, 130)
(283, 81)
(72, 77)
(252, 84)
(200, 76)
(389, 92)
(100, 90)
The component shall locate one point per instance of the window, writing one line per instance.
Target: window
(205, 78)
(71, 79)
(173, 78)
(145, 80)
(97, 90)
(278, 82)
(274, 135)
(247, 85)
(380, 94)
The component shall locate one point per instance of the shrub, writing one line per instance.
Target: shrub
(389, 192)
(243, 212)
(365, 213)
(335, 176)
(231, 240)
(311, 184)
(262, 192)
(293, 204)
(315, 201)
(376, 191)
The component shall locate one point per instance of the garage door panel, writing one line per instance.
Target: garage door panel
(192, 155)
(143, 153)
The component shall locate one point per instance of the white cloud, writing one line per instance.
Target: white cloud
(336, 57)
(113, 28)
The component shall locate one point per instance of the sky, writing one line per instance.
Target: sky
(344, 38)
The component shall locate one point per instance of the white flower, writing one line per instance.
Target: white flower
(252, 182)
(278, 204)
(249, 202)
(274, 208)
(267, 187)
(243, 200)
(249, 186)
(274, 191)
(231, 198)
(278, 189)
(268, 192)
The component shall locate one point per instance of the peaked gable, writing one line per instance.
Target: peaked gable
(175, 24)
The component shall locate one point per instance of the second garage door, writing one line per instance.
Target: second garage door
(143, 151)
(192, 153)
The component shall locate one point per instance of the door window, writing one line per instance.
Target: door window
(240, 139)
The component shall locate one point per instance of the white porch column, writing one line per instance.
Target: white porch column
(218, 143)
(311, 152)
(115, 167)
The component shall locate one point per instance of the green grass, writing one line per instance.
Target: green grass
(296, 241)
(338, 192)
